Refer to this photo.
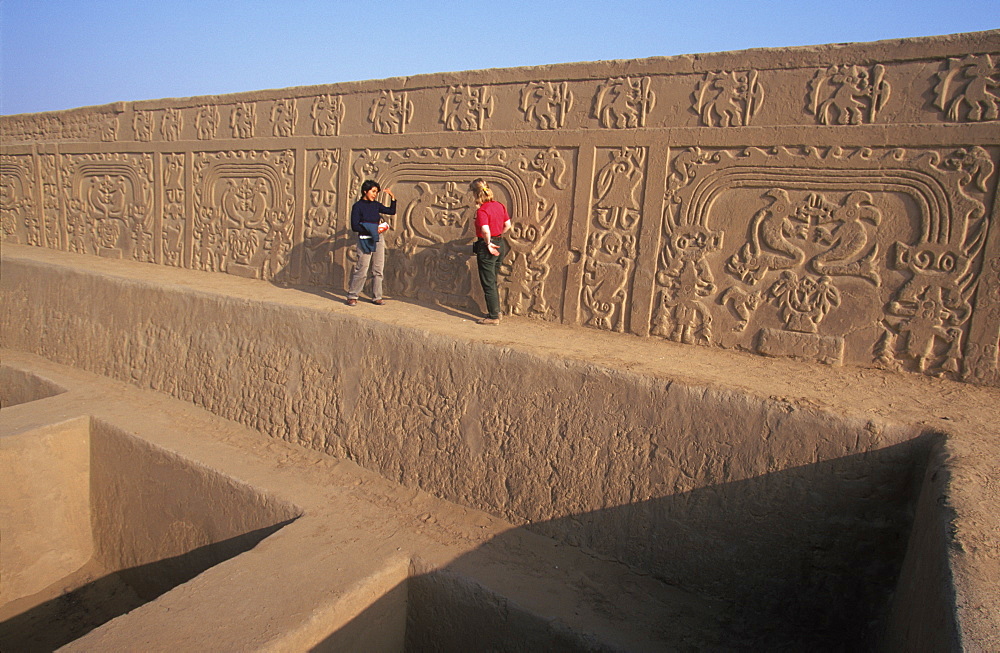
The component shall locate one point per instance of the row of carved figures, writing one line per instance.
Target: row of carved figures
(850, 94)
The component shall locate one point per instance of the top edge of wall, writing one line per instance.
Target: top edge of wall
(924, 47)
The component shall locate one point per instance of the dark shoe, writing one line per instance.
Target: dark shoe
(352, 301)
(378, 302)
(492, 321)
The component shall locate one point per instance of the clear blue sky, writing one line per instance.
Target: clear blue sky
(60, 54)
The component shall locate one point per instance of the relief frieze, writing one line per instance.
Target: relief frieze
(623, 102)
(465, 108)
(848, 94)
(432, 233)
(863, 255)
(206, 122)
(243, 119)
(612, 241)
(327, 114)
(173, 230)
(108, 203)
(284, 115)
(172, 124)
(319, 235)
(243, 212)
(55, 234)
(391, 112)
(968, 89)
(546, 103)
(142, 125)
(19, 219)
(728, 98)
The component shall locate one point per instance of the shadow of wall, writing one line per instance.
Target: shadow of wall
(800, 559)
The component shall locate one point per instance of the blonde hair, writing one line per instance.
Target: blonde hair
(482, 191)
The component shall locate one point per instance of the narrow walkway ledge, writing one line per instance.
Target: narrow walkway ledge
(759, 501)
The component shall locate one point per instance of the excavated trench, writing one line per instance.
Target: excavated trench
(98, 522)
(129, 521)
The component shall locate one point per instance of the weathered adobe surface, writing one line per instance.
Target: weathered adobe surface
(782, 489)
(832, 203)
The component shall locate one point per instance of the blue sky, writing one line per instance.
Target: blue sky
(61, 54)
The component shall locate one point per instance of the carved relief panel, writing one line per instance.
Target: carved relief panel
(391, 112)
(319, 235)
(848, 94)
(432, 233)
(19, 217)
(868, 256)
(172, 124)
(546, 103)
(465, 108)
(728, 99)
(327, 115)
(623, 102)
(173, 230)
(243, 212)
(613, 237)
(54, 232)
(108, 203)
(243, 119)
(284, 115)
(968, 89)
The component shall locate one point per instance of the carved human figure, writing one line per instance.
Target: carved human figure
(172, 123)
(546, 102)
(284, 115)
(965, 89)
(684, 279)
(617, 182)
(391, 113)
(206, 122)
(243, 119)
(623, 102)
(610, 257)
(848, 94)
(327, 113)
(142, 123)
(465, 108)
(728, 98)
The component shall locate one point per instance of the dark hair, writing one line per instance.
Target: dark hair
(368, 185)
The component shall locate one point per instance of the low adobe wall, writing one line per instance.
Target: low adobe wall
(832, 203)
(783, 504)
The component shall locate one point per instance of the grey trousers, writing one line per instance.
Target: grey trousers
(375, 260)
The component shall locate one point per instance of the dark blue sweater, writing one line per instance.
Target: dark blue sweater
(365, 211)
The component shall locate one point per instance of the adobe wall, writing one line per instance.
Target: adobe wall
(830, 203)
(658, 468)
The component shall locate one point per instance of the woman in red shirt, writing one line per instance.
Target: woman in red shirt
(492, 221)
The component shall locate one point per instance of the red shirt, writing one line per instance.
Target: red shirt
(491, 213)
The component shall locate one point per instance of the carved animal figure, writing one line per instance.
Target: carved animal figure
(849, 239)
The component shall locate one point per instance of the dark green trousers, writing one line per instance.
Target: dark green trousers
(489, 268)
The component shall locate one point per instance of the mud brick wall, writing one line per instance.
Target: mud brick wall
(830, 203)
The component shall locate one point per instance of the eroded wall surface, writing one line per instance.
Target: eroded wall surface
(832, 203)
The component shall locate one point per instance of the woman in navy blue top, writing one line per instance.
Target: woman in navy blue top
(366, 221)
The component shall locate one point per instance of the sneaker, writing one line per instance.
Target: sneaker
(378, 302)
(492, 321)
(352, 301)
